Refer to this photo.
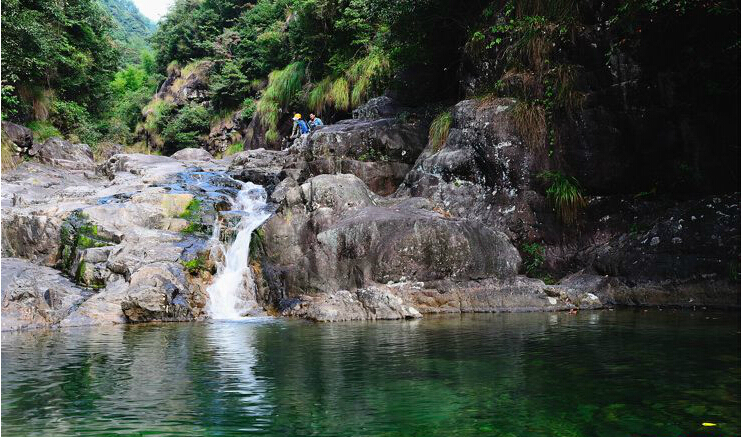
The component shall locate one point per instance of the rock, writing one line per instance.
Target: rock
(20, 136)
(379, 152)
(331, 234)
(376, 108)
(483, 171)
(35, 296)
(192, 154)
(675, 247)
(158, 291)
(60, 153)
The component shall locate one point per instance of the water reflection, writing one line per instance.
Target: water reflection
(591, 374)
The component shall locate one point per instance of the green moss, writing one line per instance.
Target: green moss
(256, 242)
(191, 211)
(76, 235)
(192, 228)
(80, 272)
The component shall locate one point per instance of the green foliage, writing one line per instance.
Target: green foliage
(43, 130)
(534, 256)
(564, 195)
(191, 211)
(248, 109)
(195, 266)
(60, 50)
(283, 86)
(187, 128)
(439, 128)
(228, 85)
(234, 148)
(130, 28)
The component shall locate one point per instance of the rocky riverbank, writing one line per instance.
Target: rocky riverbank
(371, 222)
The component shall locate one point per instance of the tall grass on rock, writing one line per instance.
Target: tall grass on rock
(564, 195)
(530, 121)
(439, 129)
(283, 86)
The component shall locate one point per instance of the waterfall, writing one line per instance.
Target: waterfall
(229, 293)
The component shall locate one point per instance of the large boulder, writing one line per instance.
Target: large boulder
(380, 152)
(35, 296)
(20, 136)
(60, 153)
(192, 154)
(332, 233)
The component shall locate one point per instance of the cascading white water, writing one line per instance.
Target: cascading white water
(233, 282)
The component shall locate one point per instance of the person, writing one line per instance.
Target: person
(314, 122)
(300, 127)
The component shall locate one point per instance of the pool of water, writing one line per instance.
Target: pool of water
(602, 373)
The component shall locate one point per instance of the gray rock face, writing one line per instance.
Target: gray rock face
(192, 154)
(376, 108)
(379, 151)
(112, 237)
(332, 233)
(60, 153)
(482, 171)
(20, 136)
(35, 296)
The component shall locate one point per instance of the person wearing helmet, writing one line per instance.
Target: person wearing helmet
(314, 122)
(300, 127)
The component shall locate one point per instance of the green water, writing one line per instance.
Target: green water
(608, 373)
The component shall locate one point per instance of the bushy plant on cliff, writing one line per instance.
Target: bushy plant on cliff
(564, 195)
(186, 129)
(283, 86)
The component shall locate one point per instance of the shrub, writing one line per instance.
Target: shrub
(186, 128)
(234, 148)
(564, 195)
(534, 256)
(43, 130)
(439, 128)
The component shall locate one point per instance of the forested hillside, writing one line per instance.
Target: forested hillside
(131, 28)
(77, 68)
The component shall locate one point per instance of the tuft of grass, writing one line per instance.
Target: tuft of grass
(234, 148)
(530, 121)
(565, 95)
(439, 129)
(43, 130)
(283, 86)
(8, 159)
(375, 67)
(317, 97)
(339, 94)
(353, 86)
(564, 195)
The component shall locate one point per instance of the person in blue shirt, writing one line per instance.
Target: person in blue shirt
(300, 127)
(314, 122)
